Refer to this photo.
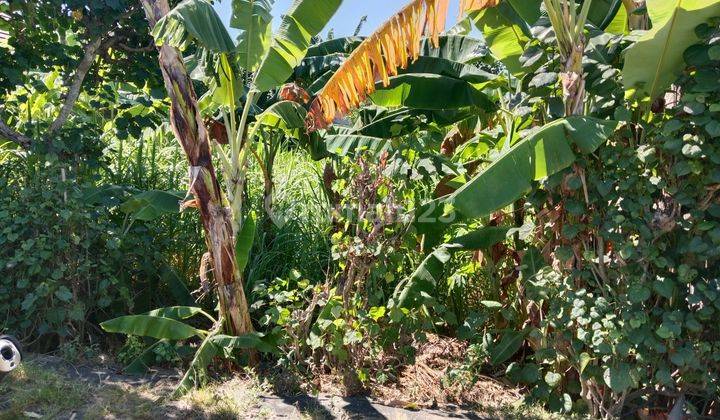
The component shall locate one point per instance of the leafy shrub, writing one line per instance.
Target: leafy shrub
(644, 319)
(57, 271)
(71, 257)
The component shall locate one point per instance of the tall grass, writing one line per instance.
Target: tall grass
(297, 238)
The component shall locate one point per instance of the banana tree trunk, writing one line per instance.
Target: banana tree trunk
(188, 126)
(573, 80)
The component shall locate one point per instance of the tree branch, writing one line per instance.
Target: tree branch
(91, 52)
(15, 137)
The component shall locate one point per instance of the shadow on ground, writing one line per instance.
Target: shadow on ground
(49, 387)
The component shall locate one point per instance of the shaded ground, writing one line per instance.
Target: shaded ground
(48, 387)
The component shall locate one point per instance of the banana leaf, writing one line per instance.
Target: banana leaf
(539, 155)
(253, 19)
(193, 19)
(151, 326)
(334, 46)
(656, 59)
(430, 91)
(304, 20)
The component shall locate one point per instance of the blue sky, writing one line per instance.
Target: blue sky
(347, 17)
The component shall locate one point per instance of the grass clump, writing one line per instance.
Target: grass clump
(32, 390)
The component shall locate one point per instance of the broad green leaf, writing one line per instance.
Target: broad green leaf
(540, 154)
(226, 88)
(347, 144)
(253, 19)
(196, 19)
(311, 69)
(553, 379)
(619, 24)
(528, 10)
(430, 91)
(602, 13)
(482, 238)
(656, 59)
(286, 115)
(423, 280)
(150, 326)
(176, 312)
(203, 357)
(509, 344)
(585, 360)
(505, 32)
(461, 27)
(444, 67)
(463, 49)
(150, 205)
(384, 123)
(244, 241)
(304, 20)
(334, 46)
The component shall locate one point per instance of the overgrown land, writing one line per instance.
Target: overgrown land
(513, 215)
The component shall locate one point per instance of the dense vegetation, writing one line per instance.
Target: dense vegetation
(539, 181)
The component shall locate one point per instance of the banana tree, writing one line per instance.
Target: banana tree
(262, 61)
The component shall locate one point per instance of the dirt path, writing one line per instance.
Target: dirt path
(48, 387)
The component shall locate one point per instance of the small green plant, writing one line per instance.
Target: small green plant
(166, 326)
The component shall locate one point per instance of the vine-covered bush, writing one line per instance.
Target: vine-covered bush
(640, 326)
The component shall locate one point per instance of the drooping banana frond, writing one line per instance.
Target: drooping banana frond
(392, 46)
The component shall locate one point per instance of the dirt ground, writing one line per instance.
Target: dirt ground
(49, 387)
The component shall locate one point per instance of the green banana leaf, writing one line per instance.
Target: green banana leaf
(482, 238)
(225, 88)
(528, 10)
(602, 12)
(416, 289)
(459, 48)
(304, 20)
(347, 144)
(430, 91)
(195, 19)
(445, 67)
(509, 344)
(286, 115)
(151, 326)
(217, 345)
(253, 19)
(176, 312)
(619, 24)
(399, 122)
(656, 59)
(335, 46)
(149, 205)
(505, 32)
(203, 356)
(244, 242)
(313, 68)
(543, 153)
